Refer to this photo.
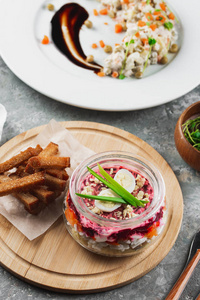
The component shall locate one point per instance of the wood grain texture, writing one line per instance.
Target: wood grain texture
(178, 288)
(55, 261)
(198, 297)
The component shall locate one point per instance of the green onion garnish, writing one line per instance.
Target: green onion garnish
(128, 197)
(124, 196)
(103, 198)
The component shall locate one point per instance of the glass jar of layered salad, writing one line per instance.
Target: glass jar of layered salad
(119, 213)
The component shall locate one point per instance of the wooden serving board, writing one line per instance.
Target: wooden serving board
(55, 261)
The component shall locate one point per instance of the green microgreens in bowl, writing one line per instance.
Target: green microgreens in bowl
(124, 195)
(191, 130)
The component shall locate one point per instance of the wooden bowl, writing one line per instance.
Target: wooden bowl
(190, 155)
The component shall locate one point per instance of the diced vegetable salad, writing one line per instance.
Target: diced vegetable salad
(150, 33)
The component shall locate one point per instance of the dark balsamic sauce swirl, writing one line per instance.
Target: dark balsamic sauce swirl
(66, 25)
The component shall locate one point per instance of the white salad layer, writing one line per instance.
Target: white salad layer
(133, 242)
(150, 33)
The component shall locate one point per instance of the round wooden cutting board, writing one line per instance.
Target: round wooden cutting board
(54, 260)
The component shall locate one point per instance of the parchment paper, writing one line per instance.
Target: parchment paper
(33, 226)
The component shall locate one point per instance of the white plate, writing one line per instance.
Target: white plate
(24, 23)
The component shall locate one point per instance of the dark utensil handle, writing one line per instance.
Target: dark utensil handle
(183, 279)
(198, 297)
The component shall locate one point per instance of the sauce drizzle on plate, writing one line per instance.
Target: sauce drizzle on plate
(66, 24)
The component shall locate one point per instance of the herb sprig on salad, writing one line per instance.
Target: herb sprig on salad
(124, 196)
(121, 75)
(151, 42)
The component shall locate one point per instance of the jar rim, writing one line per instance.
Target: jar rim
(116, 156)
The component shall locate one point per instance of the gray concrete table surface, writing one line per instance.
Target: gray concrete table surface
(27, 109)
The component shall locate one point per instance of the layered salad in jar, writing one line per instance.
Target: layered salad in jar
(115, 205)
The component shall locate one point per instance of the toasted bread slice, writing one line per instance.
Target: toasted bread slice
(31, 203)
(19, 158)
(49, 162)
(55, 183)
(61, 174)
(45, 195)
(51, 149)
(21, 184)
